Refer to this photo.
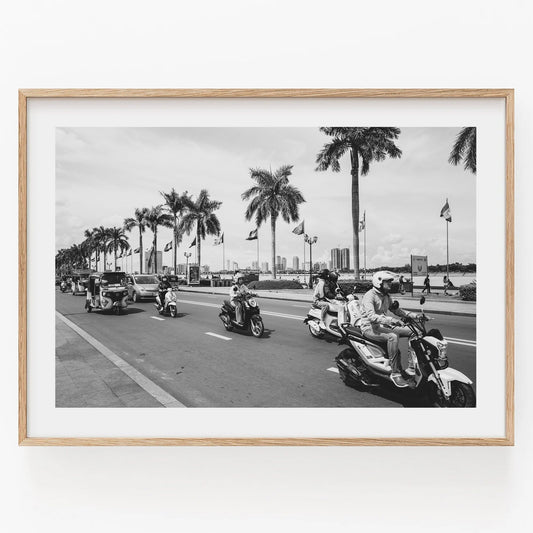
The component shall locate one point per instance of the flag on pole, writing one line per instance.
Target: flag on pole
(446, 212)
(220, 240)
(150, 257)
(129, 253)
(168, 246)
(193, 243)
(137, 250)
(252, 236)
(362, 223)
(299, 229)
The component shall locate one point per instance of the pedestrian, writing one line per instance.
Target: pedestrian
(446, 283)
(427, 285)
(402, 281)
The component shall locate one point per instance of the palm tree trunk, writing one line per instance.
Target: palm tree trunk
(273, 226)
(355, 209)
(140, 251)
(175, 246)
(198, 245)
(155, 250)
(105, 264)
(115, 250)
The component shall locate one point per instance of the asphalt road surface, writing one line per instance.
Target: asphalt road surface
(199, 363)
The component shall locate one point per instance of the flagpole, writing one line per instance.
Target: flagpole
(223, 252)
(447, 254)
(364, 218)
(258, 253)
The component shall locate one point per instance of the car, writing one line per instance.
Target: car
(142, 286)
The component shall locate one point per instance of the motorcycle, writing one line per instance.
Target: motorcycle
(63, 286)
(333, 318)
(252, 316)
(364, 364)
(170, 308)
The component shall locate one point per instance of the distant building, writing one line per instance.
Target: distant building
(296, 263)
(345, 259)
(316, 267)
(205, 269)
(264, 267)
(283, 263)
(255, 265)
(182, 269)
(335, 259)
(307, 265)
(235, 265)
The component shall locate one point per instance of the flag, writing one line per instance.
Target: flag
(168, 246)
(446, 212)
(362, 223)
(299, 229)
(193, 243)
(150, 256)
(252, 236)
(137, 250)
(129, 253)
(219, 241)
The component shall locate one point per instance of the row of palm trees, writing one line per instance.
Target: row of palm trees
(270, 198)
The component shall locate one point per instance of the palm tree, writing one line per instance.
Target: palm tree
(177, 204)
(364, 145)
(91, 245)
(154, 218)
(117, 241)
(464, 149)
(101, 237)
(76, 256)
(200, 212)
(139, 220)
(272, 196)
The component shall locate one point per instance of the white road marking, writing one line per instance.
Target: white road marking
(306, 306)
(157, 318)
(451, 340)
(218, 336)
(334, 369)
(154, 390)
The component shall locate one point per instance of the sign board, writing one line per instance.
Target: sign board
(419, 265)
(193, 276)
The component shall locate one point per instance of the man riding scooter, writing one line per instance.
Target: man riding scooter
(377, 326)
(237, 290)
(325, 294)
(164, 284)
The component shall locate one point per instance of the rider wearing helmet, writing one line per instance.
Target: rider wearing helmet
(164, 284)
(376, 325)
(325, 293)
(237, 290)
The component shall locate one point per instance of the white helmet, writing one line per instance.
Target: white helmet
(379, 277)
(238, 276)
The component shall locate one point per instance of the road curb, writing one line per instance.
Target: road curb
(435, 312)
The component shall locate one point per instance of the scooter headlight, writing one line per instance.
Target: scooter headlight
(104, 294)
(252, 302)
(442, 359)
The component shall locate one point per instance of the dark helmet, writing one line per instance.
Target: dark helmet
(164, 278)
(324, 273)
(333, 276)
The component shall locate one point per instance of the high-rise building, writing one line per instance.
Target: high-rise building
(181, 268)
(235, 265)
(296, 263)
(255, 265)
(345, 259)
(283, 263)
(264, 267)
(335, 259)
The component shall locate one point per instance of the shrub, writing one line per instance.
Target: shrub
(273, 284)
(468, 292)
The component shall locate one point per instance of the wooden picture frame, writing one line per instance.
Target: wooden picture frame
(504, 95)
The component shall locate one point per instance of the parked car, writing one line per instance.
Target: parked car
(142, 286)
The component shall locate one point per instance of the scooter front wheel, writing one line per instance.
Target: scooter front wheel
(256, 326)
(226, 321)
(173, 311)
(463, 395)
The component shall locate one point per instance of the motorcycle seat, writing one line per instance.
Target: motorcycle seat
(356, 332)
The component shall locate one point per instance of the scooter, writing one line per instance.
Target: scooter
(63, 286)
(252, 317)
(332, 319)
(365, 364)
(171, 304)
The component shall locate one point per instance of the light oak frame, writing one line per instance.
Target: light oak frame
(506, 94)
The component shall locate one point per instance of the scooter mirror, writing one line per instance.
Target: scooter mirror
(422, 300)
(394, 305)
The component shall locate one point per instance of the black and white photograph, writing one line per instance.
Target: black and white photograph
(264, 267)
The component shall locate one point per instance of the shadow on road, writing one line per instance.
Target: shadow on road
(406, 398)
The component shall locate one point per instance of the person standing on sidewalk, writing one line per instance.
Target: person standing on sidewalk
(446, 283)
(427, 285)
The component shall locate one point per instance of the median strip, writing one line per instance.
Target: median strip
(154, 390)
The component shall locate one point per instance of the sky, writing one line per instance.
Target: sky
(103, 174)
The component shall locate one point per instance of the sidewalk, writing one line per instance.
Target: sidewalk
(435, 303)
(85, 378)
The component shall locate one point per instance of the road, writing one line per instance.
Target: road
(195, 360)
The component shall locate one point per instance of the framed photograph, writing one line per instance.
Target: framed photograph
(266, 267)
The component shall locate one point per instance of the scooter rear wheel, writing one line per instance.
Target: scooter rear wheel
(173, 311)
(316, 333)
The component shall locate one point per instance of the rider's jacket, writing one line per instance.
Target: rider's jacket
(375, 306)
(163, 286)
(237, 290)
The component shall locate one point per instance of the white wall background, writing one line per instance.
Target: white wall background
(270, 43)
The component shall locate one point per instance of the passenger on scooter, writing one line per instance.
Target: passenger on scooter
(377, 326)
(237, 290)
(322, 294)
(162, 288)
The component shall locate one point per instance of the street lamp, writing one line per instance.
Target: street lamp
(187, 255)
(310, 241)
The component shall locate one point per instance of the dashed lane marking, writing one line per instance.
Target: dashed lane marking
(154, 390)
(218, 336)
(157, 318)
(334, 369)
